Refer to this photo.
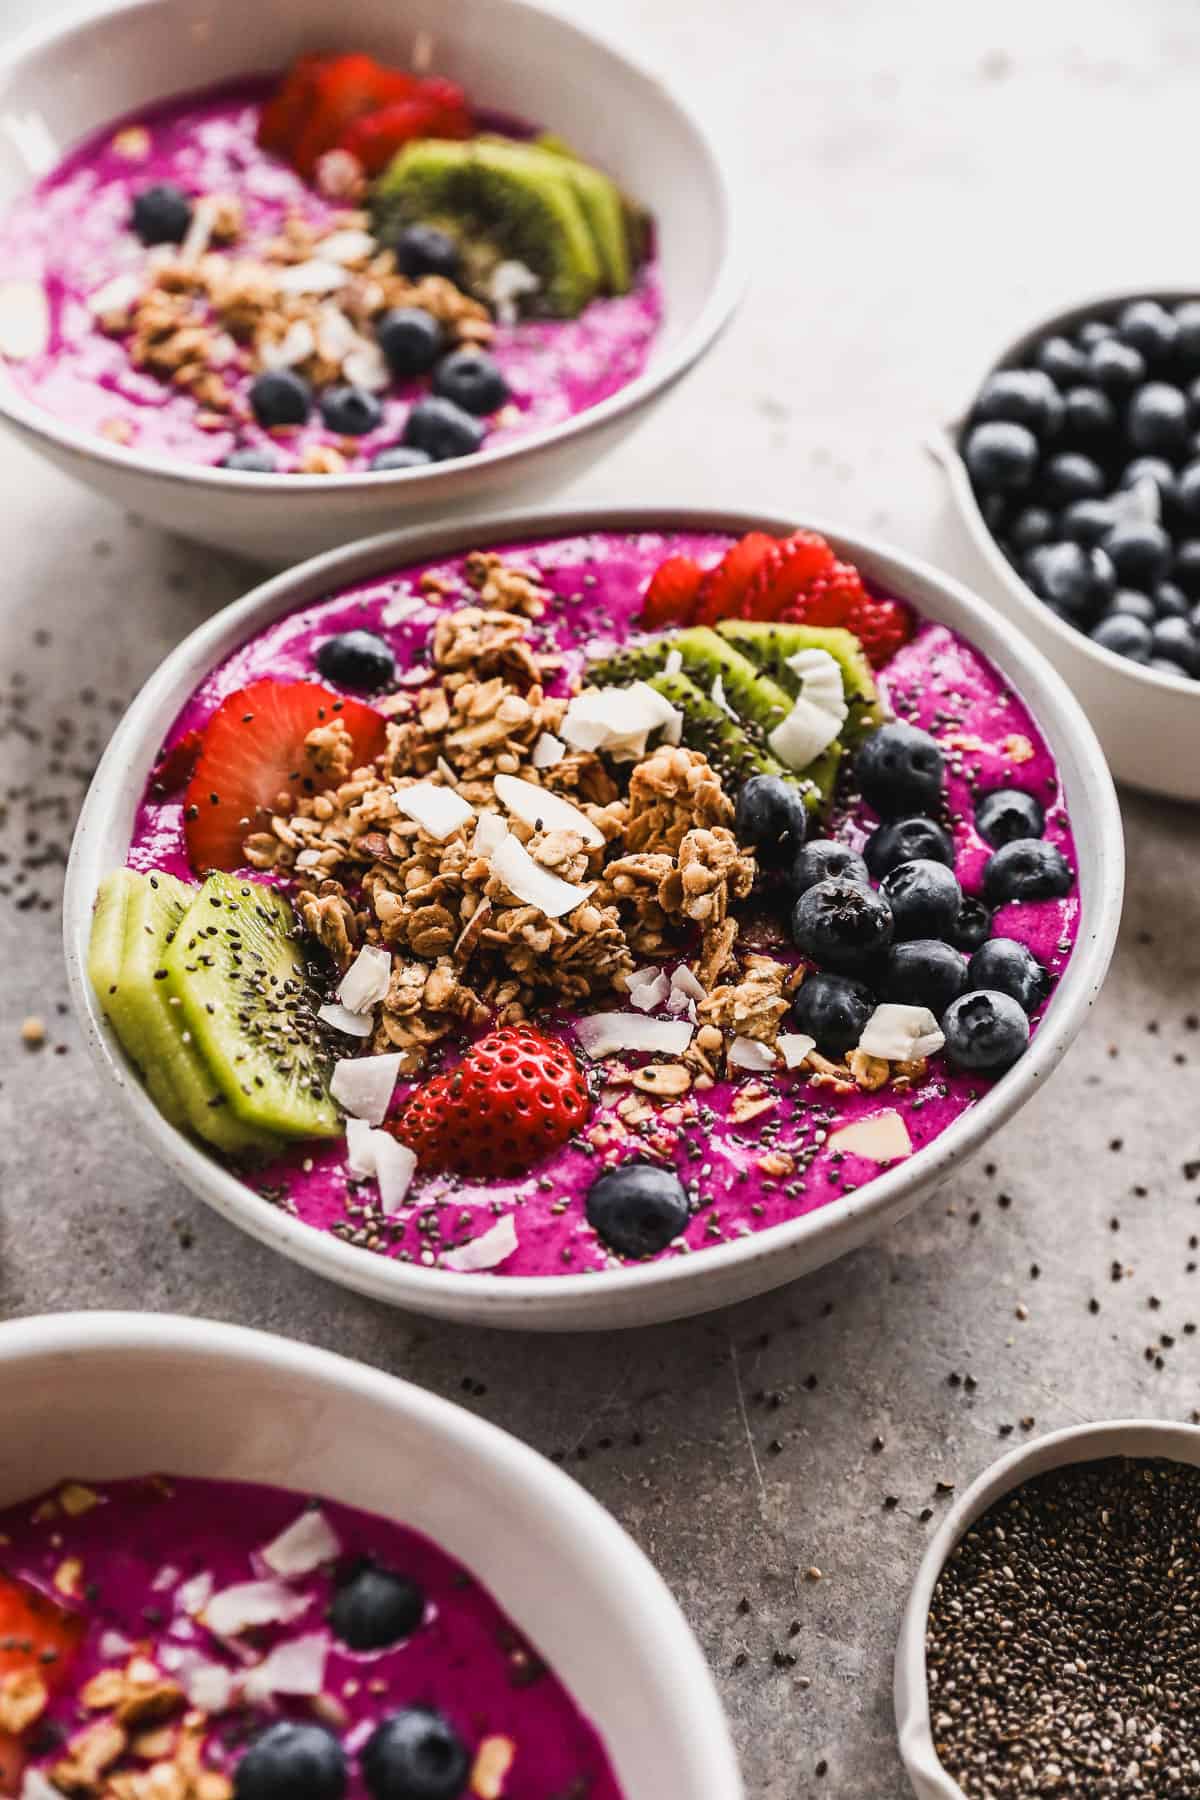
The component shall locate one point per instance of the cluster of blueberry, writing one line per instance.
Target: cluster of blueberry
(915, 939)
(1086, 465)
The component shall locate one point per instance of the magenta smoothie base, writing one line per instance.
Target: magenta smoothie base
(937, 681)
(72, 235)
(153, 1549)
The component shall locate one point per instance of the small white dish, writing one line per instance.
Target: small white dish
(718, 1274)
(1148, 722)
(60, 82)
(1058, 1449)
(105, 1395)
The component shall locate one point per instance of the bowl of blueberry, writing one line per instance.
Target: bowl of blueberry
(1077, 470)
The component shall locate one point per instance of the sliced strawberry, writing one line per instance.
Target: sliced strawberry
(670, 598)
(840, 597)
(345, 89)
(723, 590)
(36, 1633)
(376, 137)
(12, 1763)
(175, 766)
(254, 751)
(794, 563)
(283, 115)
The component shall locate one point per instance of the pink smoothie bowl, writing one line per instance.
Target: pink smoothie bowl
(58, 86)
(721, 1273)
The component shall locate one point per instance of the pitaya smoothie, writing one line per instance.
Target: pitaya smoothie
(193, 1616)
(71, 236)
(744, 1173)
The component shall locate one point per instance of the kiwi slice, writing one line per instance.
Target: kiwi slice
(250, 1006)
(760, 703)
(768, 647)
(605, 210)
(707, 727)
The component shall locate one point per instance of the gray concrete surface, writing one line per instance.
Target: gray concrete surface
(920, 179)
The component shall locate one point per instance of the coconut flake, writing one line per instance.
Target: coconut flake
(619, 720)
(340, 1018)
(717, 696)
(490, 833)
(251, 1603)
(303, 1545)
(366, 366)
(536, 807)
(649, 993)
(24, 320)
(360, 1147)
(402, 608)
(803, 735)
(684, 982)
(36, 1786)
(604, 1033)
(295, 346)
(529, 882)
(193, 1595)
(113, 1645)
(820, 678)
(674, 662)
(116, 294)
(198, 235)
(395, 1166)
(881, 1138)
(439, 811)
(296, 1666)
(365, 982)
(485, 1252)
(511, 281)
(363, 1085)
(901, 1033)
(548, 751)
(795, 1047)
(749, 1053)
(349, 246)
(208, 1685)
(316, 276)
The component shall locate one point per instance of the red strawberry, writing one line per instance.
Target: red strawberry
(515, 1096)
(794, 563)
(841, 598)
(283, 115)
(376, 137)
(670, 598)
(346, 89)
(36, 1633)
(723, 590)
(253, 751)
(174, 767)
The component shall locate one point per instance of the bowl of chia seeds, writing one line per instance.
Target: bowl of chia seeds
(1051, 1642)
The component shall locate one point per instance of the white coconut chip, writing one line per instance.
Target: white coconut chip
(360, 1148)
(536, 806)
(166, 1578)
(485, 1252)
(649, 993)
(490, 833)
(340, 1018)
(818, 712)
(198, 234)
(249, 1603)
(717, 696)
(898, 1033)
(316, 276)
(395, 1166)
(114, 1644)
(529, 882)
(606, 1033)
(363, 1085)
(674, 662)
(295, 346)
(296, 1666)
(116, 294)
(367, 367)
(795, 1048)
(208, 1685)
(365, 982)
(24, 320)
(548, 751)
(347, 246)
(302, 1546)
(402, 608)
(193, 1595)
(36, 1786)
(511, 281)
(881, 1138)
(439, 811)
(749, 1053)
(684, 982)
(619, 720)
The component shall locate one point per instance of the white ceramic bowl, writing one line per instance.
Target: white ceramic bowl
(1058, 1449)
(1148, 722)
(58, 84)
(104, 1395)
(713, 1276)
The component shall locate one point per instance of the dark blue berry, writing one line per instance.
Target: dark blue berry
(771, 818)
(1169, 601)
(1088, 413)
(415, 1754)
(358, 660)
(1132, 604)
(1155, 469)
(374, 1608)
(443, 429)
(1114, 366)
(351, 411)
(1139, 551)
(925, 972)
(291, 1762)
(1187, 326)
(1072, 578)
(424, 250)
(1174, 638)
(1186, 571)
(1032, 525)
(251, 461)
(972, 926)
(824, 859)
(924, 897)
(471, 379)
(1022, 397)
(1124, 635)
(1008, 967)
(1187, 490)
(1000, 455)
(1165, 666)
(411, 340)
(899, 770)
(162, 214)
(1061, 360)
(1087, 521)
(1008, 813)
(1071, 476)
(280, 397)
(1157, 419)
(401, 456)
(985, 1030)
(1193, 619)
(833, 1009)
(1149, 328)
(842, 926)
(900, 840)
(637, 1208)
(1093, 332)
(1027, 869)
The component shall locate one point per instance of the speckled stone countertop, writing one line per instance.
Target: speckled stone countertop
(1057, 1278)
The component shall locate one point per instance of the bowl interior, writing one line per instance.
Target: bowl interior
(106, 1395)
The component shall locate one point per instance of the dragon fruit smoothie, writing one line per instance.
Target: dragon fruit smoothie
(753, 1147)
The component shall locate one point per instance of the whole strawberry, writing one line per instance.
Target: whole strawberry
(516, 1096)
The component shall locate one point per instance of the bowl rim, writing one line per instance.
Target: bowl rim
(659, 374)
(495, 1296)
(1089, 1442)
(945, 448)
(494, 1452)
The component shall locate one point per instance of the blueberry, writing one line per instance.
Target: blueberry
(162, 214)
(1087, 521)
(1068, 575)
(1169, 601)
(833, 1009)
(1139, 551)
(1032, 525)
(1149, 328)
(901, 840)
(1187, 327)
(1088, 413)
(374, 1608)
(637, 1208)
(771, 817)
(415, 1754)
(401, 456)
(1186, 571)
(925, 972)
(1022, 397)
(280, 397)
(1193, 619)
(424, 250)
(1060, 359)
(1124, 635)
(994, 508)
(1072, 476)
(924, 897)
(1174, 638)
(471, 379)
(411, 340)
(291, 1762)
(1115, 367)
(1128, 602)
(1007, 967)
(1027, 869)
(899, 770)
(251, 461)
(1093, 332)
(1151, 468)
(972, 926)
(842, 926)
(1158, 418)
(1187, 490)
(358, 660)
(1000, 455)
(1008, 813)
(1165, 666)
(443, 429)
(985, 1030)
(351, 411)
(826, 860)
